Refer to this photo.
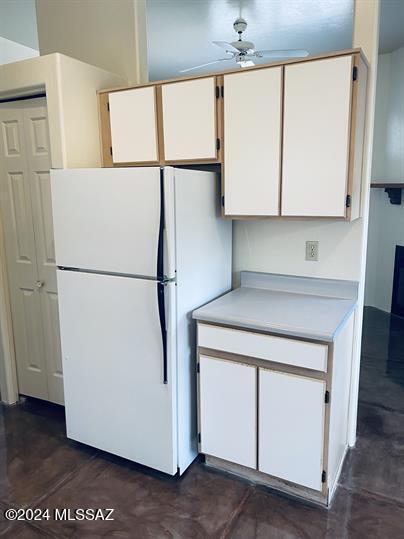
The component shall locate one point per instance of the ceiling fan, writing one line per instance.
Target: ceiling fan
(243, 52)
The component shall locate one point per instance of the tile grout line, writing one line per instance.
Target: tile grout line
(62, 482)
(236, 513)
(371, 494)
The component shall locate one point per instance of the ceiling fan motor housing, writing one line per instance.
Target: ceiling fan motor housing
(240, 25)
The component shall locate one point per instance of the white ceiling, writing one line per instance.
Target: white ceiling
(180, 32)
(391, 25)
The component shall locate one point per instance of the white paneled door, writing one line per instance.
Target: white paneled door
(27, 221)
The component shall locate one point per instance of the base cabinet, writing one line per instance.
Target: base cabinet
(291, 427)
(227, 411)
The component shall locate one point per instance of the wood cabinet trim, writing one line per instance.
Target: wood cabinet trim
(105, 130)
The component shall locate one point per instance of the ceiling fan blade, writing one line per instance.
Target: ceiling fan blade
(228, 47)
(289, 53)
(204, 65)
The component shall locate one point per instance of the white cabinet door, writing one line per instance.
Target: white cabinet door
(316, 137)
(227, 393)
(252, 141)
(134, 125)
(189, 119)
(291, 427)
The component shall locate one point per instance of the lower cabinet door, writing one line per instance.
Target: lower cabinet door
(291, 427)
(228, 415)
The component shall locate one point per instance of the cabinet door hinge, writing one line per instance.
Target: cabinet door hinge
(222, 200)
(110, 150)
(198, 369)
(217, 92)
(222, 91)
(354, 73)
(218, 144)
(348, 201)
(324, 476)
(108, 106)
(327, 397)
(199, 437)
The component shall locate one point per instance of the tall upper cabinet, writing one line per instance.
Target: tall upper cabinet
(288, 136)
(252, 104)
(319, 121)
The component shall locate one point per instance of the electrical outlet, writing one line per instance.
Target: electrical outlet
(312, 250)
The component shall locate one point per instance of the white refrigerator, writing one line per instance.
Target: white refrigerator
(137, 250)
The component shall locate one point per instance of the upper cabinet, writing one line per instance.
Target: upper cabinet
(189, 120)
(288, 137)
(316, 131)
(252, 142)
(134, 126)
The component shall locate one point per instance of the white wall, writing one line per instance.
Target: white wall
(11, 51)
(386, 221)
(70, 87)
(109, 34)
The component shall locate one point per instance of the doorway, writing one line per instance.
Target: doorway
(26, 214)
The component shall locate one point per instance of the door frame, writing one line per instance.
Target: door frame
(9, 390)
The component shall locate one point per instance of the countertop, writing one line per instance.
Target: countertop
(287, 305)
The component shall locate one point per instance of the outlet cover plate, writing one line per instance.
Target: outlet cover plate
(312, 250)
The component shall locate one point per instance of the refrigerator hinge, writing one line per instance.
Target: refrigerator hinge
(198, 369)
(199, 437)
(218, 144)
(217, 92)
(348, 201)
(327, 397)
(324, 476)
(355, 73)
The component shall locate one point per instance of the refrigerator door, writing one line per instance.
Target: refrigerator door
(113, 366)
(109, 219)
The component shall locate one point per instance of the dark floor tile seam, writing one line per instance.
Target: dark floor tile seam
(235, 514)
(373, 495)
(66, 479)
(381, 406)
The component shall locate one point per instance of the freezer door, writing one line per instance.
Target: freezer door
(108, 219)
(113, 366)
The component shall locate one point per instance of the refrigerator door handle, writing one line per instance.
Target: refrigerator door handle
(162, 317)
(160, 245)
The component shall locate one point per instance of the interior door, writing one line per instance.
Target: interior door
(107, 219)
(189, 120)
(228, 420)
(317, 101)
(291, 427)
(252, 142)
(25, 205)
(115, 394)
(133, 120)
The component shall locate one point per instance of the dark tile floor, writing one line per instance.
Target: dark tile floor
(39, 467)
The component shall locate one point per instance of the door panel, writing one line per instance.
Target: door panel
(113, 368)
(252, 142)
(189, 119)
(39, 161)
(21, 260)
(317, 99)
(134, 125)
(227, 393)
(291, 427)
(107, 219)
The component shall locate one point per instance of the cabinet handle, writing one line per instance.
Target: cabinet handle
(40, 284)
